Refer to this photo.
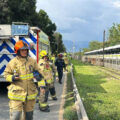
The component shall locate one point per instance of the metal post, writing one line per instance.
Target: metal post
(103, 45)
(73, 48)
(80, 54)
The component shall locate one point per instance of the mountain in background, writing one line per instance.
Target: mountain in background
(78, 44)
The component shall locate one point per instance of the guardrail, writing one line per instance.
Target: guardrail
(82, 115)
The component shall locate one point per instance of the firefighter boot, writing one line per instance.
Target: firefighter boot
(15, 115)
(53, 93)
(29, 115)
(44, 107)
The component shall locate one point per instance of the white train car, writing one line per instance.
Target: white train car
(110, 57)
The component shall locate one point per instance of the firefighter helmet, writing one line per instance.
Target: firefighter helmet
(60, 55)
(20, 45)
(65, 54)
(43, 53)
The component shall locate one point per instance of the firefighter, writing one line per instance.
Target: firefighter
(49, 86)
(66, 61)
(22, 90)
(53, 59)
(60, 65)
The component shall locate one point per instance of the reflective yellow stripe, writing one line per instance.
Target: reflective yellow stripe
(31, 97)
(43, 104)
(53, 96)
(26, 77)
(15, 97)
(41, 83)
(9, 78)
(49, 81)
(56, 73)
(46, 70)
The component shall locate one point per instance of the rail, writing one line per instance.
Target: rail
(82, 115)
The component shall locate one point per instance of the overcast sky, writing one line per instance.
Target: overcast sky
(81, 20)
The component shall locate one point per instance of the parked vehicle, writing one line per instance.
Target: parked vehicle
(10, 34)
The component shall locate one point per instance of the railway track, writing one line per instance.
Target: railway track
(111, 73)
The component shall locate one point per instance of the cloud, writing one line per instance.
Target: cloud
(116, 4)
(81, 20)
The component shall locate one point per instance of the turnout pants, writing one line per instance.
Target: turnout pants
(20, 110)
(50, 88)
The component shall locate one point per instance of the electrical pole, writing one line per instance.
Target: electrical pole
(73, 48)
(80, 54)
(103, 45)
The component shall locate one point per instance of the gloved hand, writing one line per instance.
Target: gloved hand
(15, 77)
(37, 75)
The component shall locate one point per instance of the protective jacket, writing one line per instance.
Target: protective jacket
(47, 70)
(23, 88)
(66, 60)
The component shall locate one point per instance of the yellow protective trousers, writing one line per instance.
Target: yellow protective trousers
(20, 106)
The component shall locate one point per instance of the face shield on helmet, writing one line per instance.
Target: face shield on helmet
(20, 45)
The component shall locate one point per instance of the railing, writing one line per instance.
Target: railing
(82, 115)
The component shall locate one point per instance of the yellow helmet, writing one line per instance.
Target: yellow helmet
(43, 53)
(65, 54)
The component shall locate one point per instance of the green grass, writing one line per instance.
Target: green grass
(69, 107)
(99, 92)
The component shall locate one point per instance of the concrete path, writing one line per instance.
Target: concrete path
(56, 110)
(55, 106)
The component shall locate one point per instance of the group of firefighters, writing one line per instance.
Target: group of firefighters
(21, 71)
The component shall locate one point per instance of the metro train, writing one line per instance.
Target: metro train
(108, 57)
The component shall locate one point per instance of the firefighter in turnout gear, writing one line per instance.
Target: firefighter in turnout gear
(22, 90)
(66, 61)
(55, 75)
(49, 82)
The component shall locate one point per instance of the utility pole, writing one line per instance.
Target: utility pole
(73, 48)
(80, 54)
(103, 45)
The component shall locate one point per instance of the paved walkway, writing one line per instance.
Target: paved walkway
(55, 106)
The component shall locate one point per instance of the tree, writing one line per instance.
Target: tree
(25, 11)
(48, 27)
(114, 35)
(60, 45)
(93, 45)
(4, 12)
(22, 10)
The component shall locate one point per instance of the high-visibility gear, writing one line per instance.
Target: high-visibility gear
(53, 59)
(66, 60)
(65, 54)
(46, 68)
(44, 107)
(42, 83)
(15, 115)
(20, 45)
(43, 53)
(16, 108)
(23, 88)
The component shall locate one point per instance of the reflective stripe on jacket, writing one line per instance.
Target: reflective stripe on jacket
(23, 88)
(48, 75)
